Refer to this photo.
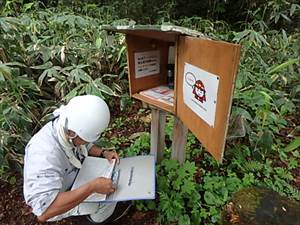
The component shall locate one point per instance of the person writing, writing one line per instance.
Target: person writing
(54, 155)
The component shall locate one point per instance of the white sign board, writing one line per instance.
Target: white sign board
(200, 91)
(147, 63)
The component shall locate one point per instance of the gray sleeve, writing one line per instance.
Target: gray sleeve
(43, 180)
(42, 190)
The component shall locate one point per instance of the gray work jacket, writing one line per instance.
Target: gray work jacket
(47, 170)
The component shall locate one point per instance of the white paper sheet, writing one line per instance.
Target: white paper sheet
(136, 179)
(93, 167)
(147, 63)
(161, 93)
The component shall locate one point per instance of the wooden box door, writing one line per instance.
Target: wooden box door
(211, 60)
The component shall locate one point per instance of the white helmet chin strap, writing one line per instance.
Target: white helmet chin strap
(67, 143)
(67, 133)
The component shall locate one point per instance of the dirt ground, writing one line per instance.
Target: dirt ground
(13, 210)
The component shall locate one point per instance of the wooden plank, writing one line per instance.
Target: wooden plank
(179, 140)
(164, 36)
(161, 32)
(218, 58)
(158, 122)
(158, 104)
(175, 74)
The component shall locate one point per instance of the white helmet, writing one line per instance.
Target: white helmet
(88, 116)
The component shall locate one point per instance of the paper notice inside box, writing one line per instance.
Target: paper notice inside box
(147, 63)
(160, 93)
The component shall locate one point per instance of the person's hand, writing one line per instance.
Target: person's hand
(110, 155)
(103, 185)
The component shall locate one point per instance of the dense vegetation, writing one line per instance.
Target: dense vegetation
(53, 50)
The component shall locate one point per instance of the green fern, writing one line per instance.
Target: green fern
(252, 166)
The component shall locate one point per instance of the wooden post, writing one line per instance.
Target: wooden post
(158, 122)
(179, 140)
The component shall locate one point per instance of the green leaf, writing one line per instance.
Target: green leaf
(10, 23)
(15, 64)
(90, 89)
(241, 35)
(181, 173)
(285, 17)
(46, 54)
(27, 6)
(121, 52)
(104, 88)
(42, 77)
(98, 42)
(176, 184)
(248, 179)
(282, 66)
(242, 112)
(171, 164)
(188, 186)
(285, 38)
(293, 8)
(45, 66)
(277, 18)
(79, 74)
(13, 180)
(266, 140)
(189, 167)
(73, 93)
(5, 72)
(262, 39)
(293, 145)
(297, 89)
(233, 183)
(151, 205)
(184, 220)
(82, 66)
(48, 73)
(209, 198)
(267, 96)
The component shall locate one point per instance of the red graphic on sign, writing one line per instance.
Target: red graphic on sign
(197, 85)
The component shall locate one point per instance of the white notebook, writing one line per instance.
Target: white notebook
(133, 176)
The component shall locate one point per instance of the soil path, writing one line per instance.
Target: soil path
(13, 210)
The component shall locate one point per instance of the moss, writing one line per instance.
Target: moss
(261, 206)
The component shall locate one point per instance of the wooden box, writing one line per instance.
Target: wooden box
(204, 76)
